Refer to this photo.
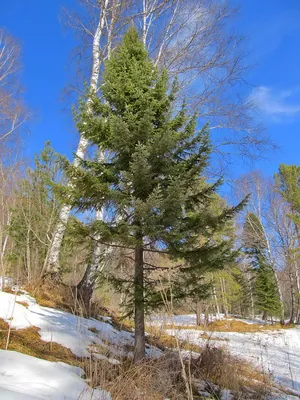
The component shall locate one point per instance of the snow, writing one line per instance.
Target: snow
(69, 330)
(275, 352)
(7, 281)
(24, 377)
(180, 320)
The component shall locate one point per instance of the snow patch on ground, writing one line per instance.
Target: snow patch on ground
(24, 377)
(67, 329)
(275, 352)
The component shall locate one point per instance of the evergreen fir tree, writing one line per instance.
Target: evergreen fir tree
(152, 180)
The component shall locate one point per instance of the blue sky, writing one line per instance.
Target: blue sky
(272, 29)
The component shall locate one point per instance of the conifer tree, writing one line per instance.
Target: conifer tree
(152, 182)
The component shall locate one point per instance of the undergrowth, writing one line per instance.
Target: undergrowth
(226, 325)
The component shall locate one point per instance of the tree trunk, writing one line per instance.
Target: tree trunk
(223, 291)
(264, 315)
(85, 287)
(198, 313)
(28, 255)
(139, 306)
(53, 266)
(251, 297)
(292, 315)
(215, 297)
(298, 293)
(88, 280)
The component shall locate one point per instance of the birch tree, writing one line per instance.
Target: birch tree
(259, 204)
(97, 59)
(13, 114)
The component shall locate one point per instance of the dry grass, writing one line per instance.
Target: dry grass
(163, 379)
(208, 336)
(151, 380)
(23, 303)
(232, 325)
(46, 295)
(28, 341)
(159, 338)
(63, 297)
(8, 289)
(218, 366)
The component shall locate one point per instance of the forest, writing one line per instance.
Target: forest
(149, 215)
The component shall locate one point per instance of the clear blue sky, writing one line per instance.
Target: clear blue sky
(271, 26)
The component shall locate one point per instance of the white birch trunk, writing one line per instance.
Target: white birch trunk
(87, 283)
(54, 252)
(272, 262)
(3, 250)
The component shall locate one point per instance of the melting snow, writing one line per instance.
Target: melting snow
(24, 377)
(276, 352)
(66, 329)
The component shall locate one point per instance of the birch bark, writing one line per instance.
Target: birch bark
(53, 266)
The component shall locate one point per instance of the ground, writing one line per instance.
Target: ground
(275, 351)
(53, 339)
(23, 376)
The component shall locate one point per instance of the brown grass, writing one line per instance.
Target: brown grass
(241, 326)
(234, 325)
(218, 366)
(151, 380)
(63, 297)
(210, 337)
(47, 295)
(23, 303)
(8, 289)
(28, 341)
(163, 341)
(163, 379)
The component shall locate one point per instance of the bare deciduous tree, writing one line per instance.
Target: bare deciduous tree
(12, 111)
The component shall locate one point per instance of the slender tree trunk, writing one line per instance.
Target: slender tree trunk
(292, 314)
(3, 244)
(85, 287)
(198, 313)
(251, 296)
(28, 255)
(139, 306)
(53, 266)
(92, 269)
(215, 298)
(298, 293)
(223, 291)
